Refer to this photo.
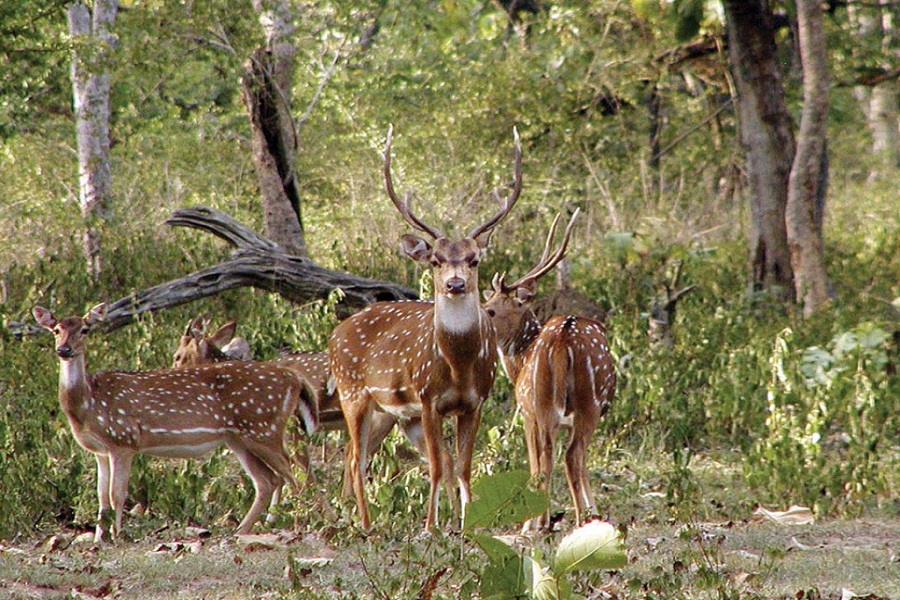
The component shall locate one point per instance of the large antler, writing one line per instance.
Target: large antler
(513, 196)
(403, 206)
(548, 260)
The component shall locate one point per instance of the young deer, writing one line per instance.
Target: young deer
(196, 347)
(562, 372)
(177, 413)
(419, 362)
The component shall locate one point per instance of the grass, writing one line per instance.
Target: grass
(708, 545)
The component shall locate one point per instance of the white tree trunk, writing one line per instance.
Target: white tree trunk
(880, 100)
(90, 86)
(803, 229)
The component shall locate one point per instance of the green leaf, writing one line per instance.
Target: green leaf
(871, 336)
(504, 577)
(595, 545)
(503, 499)
(544, 583)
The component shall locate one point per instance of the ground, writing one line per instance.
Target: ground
(755, 558)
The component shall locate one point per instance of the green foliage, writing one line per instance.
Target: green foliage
(829, 411)
(505, 499)
(808, 416)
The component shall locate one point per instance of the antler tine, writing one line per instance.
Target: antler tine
(403, 206)
(513, 196)
(548, 261)
(498, 282)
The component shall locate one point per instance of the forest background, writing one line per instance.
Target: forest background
(628, 111)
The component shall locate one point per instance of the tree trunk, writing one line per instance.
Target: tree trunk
(267, 86)
(257, 262)
(803, 228)
(879, 95)
(767, 138)
(90, 90)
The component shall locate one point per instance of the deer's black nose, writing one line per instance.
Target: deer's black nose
(65, 352)
(456, 285)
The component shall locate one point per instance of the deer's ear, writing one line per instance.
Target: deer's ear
(416, 248)
(526, 290)
(44, 317)
(96, 315)
(488, 294)
(223, 334)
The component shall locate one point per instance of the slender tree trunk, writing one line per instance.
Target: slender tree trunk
(267, 85)
(879, 96)
(803, 228)
(767, 138)
(91, 86)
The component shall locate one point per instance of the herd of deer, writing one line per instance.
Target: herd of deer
(408, 363)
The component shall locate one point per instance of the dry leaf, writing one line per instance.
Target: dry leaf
(795, 515)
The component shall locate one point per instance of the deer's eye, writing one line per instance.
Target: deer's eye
(85, 330)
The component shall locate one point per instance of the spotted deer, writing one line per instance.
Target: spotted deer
(176, 413)
(562, 373)
(420, 362)
(197, 347)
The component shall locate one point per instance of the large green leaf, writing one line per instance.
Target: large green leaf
(545, 583)
(595, 545)
(504, 577)
(503, 499)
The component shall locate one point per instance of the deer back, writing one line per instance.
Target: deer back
(153, 409)
(571, 357)
(312, 368)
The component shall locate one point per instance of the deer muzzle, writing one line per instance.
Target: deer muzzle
(456, 285)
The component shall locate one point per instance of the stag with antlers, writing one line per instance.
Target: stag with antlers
(420, 362)
(562, 373)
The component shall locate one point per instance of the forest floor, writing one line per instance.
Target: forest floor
(722, 549)
(756, 559)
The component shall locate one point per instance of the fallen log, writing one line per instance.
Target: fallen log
(256, 262)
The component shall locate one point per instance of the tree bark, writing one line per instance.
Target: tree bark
(879, 95)
(267, 86)
(90, 91)
(803, 227)
(257, 262)
(766, 133)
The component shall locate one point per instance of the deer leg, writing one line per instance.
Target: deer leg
(358, 415)
(264, 479)
(413, 431)
(434, 444)
(279, 463)
(276, 457)
(576, 471)
(380, 426)
(466, 428)
(119, 473)
(545, 435)
(103, 494)
(534, 465)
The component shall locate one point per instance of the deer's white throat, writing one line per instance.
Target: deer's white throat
(71, 373)
(457, 314)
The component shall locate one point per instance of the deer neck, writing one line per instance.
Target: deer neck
(74, 387)
(513, 351)
(458, 322)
